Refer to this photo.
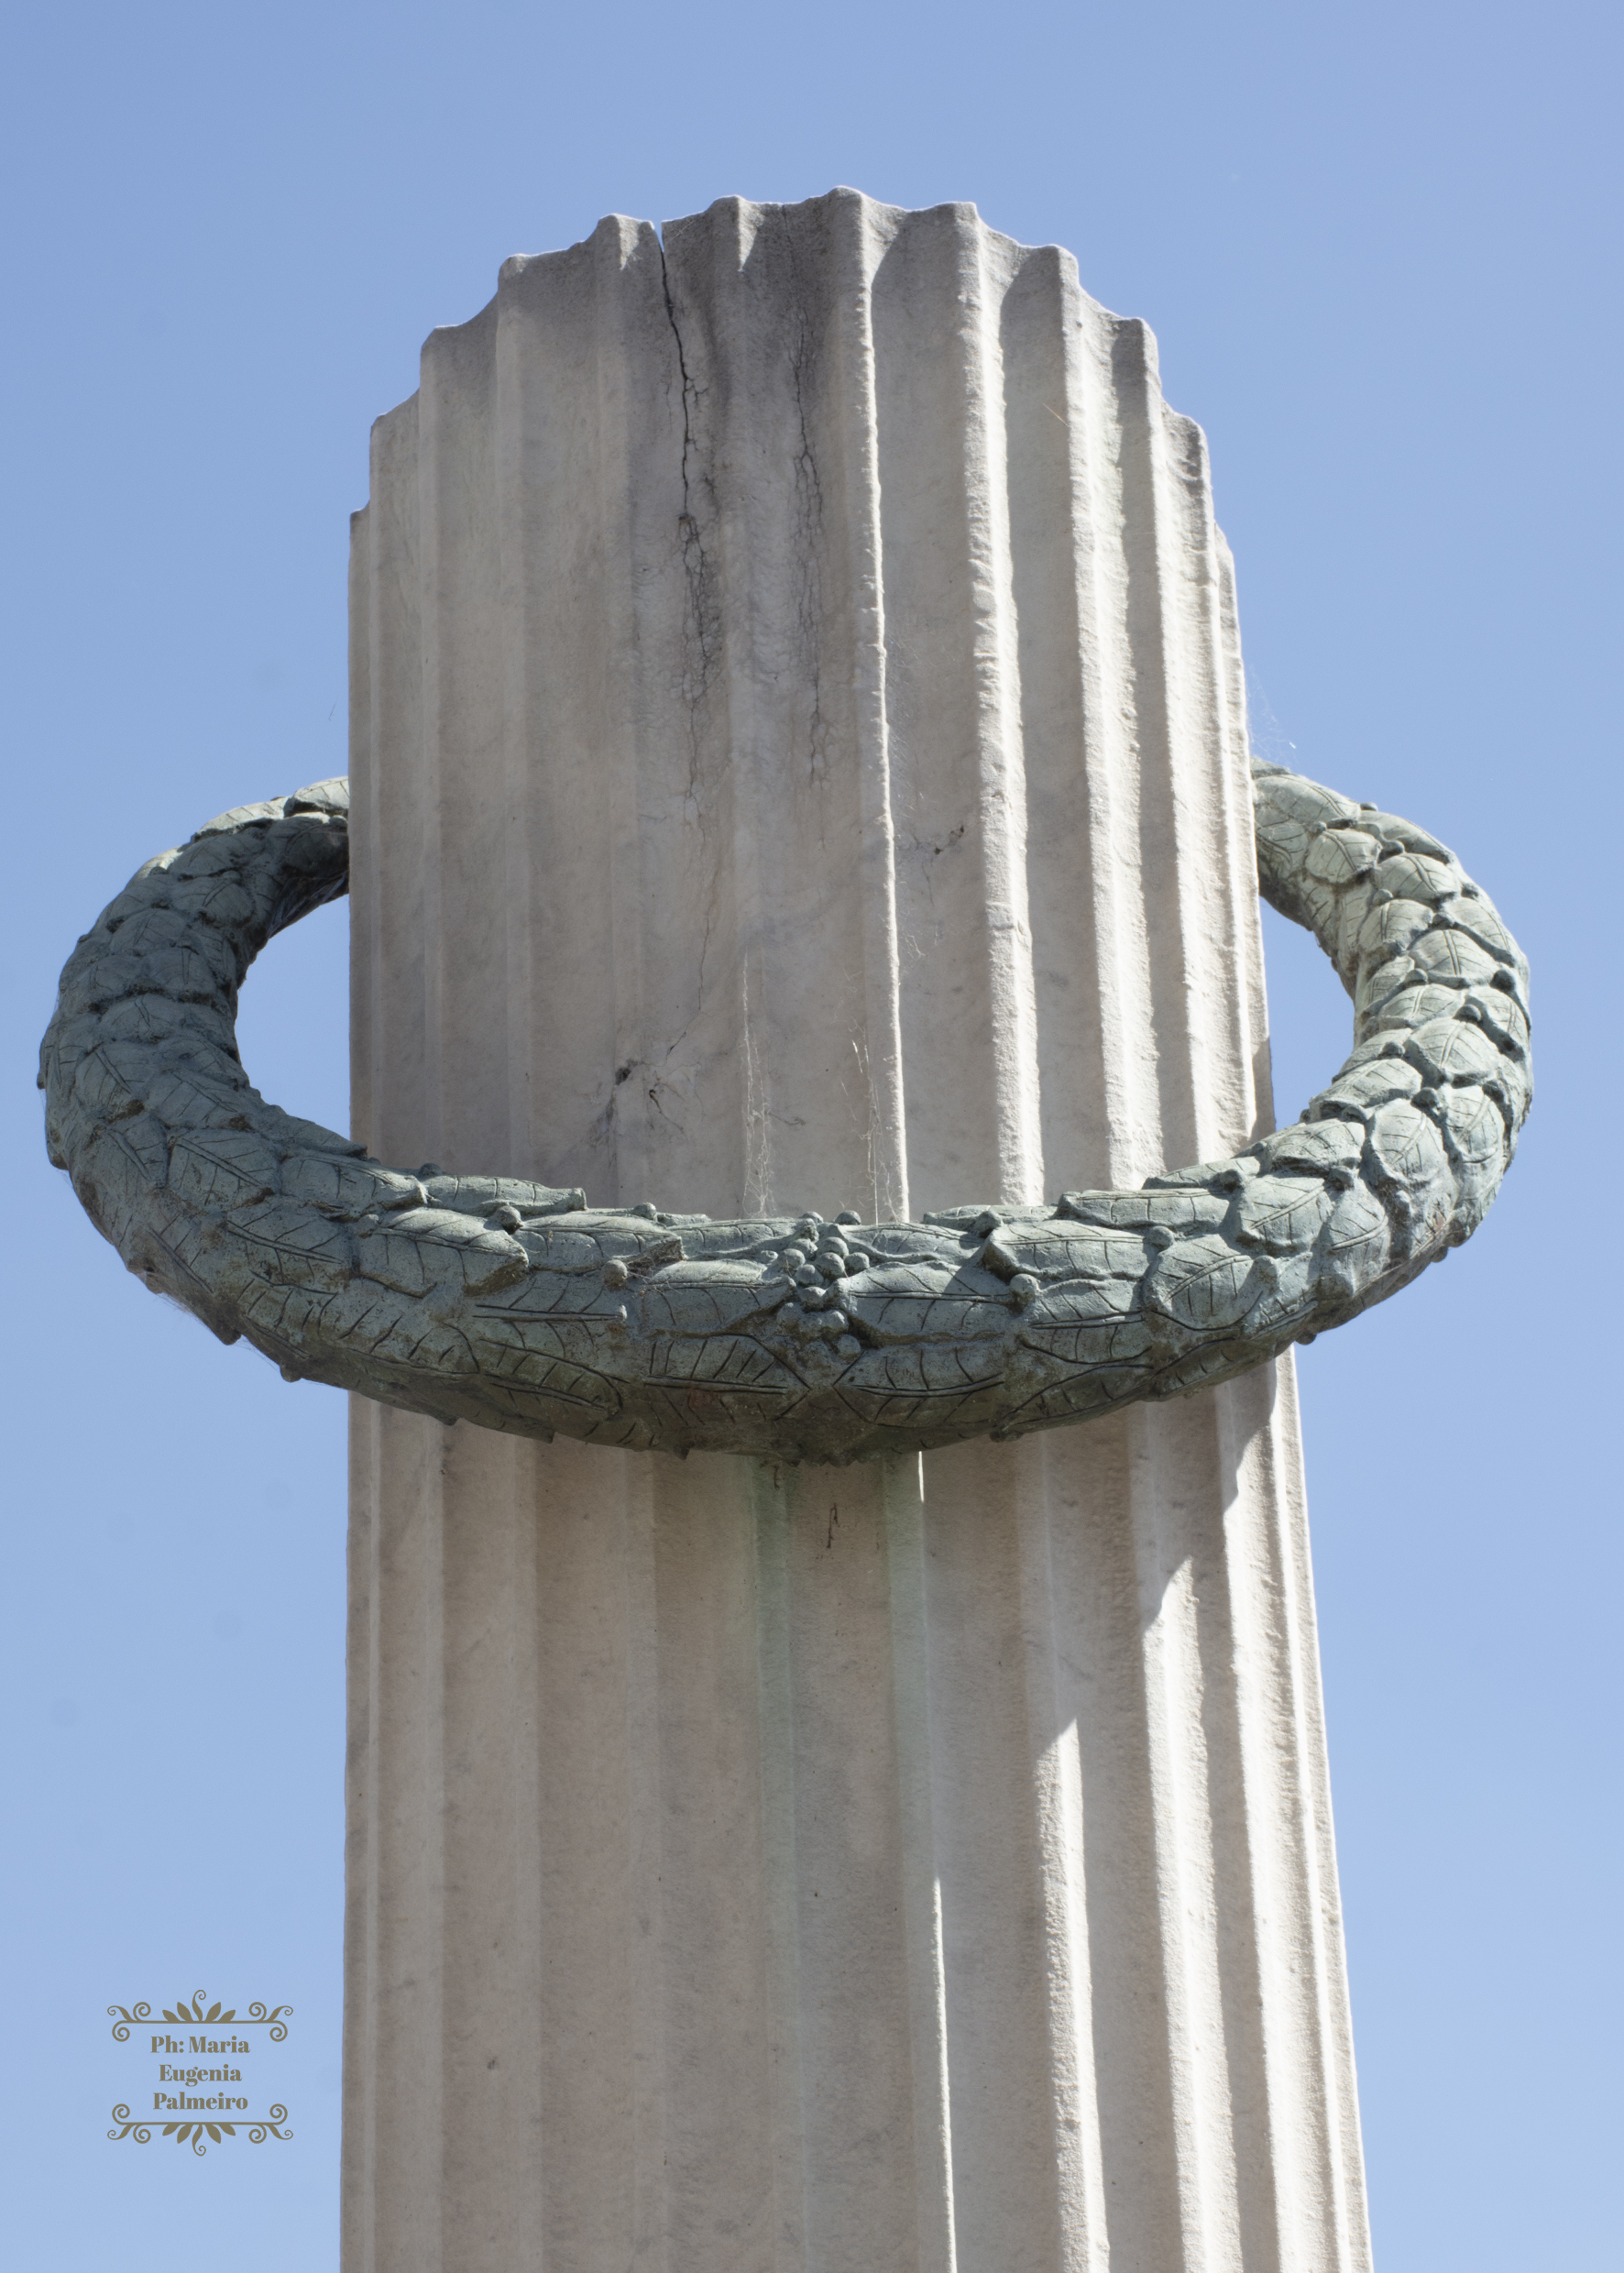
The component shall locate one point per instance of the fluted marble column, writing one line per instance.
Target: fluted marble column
(798, 761)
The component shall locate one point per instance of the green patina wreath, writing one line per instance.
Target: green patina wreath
(517, 1307)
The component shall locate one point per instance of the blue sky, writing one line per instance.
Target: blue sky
(1379, 250)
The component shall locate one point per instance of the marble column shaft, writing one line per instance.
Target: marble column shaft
(798, 761)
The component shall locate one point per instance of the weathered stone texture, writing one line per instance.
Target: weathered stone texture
(798, 672)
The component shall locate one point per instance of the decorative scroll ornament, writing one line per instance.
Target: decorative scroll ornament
(139, 2127)
(520, 1307)
(256, 2015)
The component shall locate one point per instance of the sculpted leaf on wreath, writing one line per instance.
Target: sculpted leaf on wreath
(519, 1307)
